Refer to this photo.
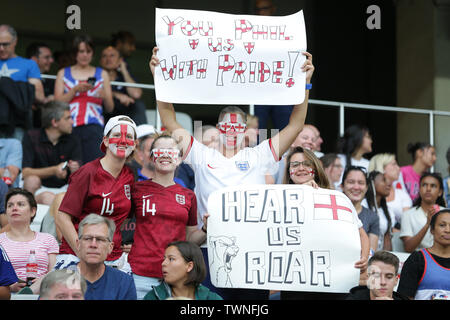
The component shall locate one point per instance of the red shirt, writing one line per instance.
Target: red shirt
(94, 190)
(162, 214)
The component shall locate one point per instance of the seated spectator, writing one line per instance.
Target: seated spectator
(355, 186)
(22, 70)
(251, 133)
(318, 144)
(183, 271)
(375, 200)
(10, 161)
(355, 143)
(209, 136)
(398, 200)
(447, 181)
(125, 42)
(145, 134)
(50, 154)
(426, 273)
(333, 168)
(126, 99)
(415, 227)
(383, 277)
(7, 275)
(94, 244)
(41, 53)
(424, 157)
(3, 191)
(62, 285)
(88, 90)
(20, 239)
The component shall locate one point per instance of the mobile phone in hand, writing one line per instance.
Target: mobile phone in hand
(64, 165)
(91, 81)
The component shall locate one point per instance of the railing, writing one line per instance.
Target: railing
(341, 105)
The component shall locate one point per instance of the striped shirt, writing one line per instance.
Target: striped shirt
(19, 251)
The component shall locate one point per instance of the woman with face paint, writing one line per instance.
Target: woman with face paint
(165, 212)
(233, 164)
(303, 167)
(102, 186)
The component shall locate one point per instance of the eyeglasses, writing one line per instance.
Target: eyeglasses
(5, 44)
(224, 127)
(296, 164)
(102, 240)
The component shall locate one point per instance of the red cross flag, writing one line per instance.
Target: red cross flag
(332, 207)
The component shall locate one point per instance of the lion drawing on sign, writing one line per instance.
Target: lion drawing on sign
(224, 251)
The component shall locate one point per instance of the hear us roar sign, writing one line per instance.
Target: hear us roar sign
(283, 237)
(214, 58)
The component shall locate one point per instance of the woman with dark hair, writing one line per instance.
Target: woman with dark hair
(20, 239)
(415, 226)
(355, 186)
(424, 157)
(426, 273)
(87, 89)
(376, 195)
(355, 143)
(303, 167)
(447, 181)
(183, 270)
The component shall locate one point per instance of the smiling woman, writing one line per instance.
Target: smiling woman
(161, 205)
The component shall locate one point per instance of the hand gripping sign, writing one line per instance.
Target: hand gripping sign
(283, 237)
(214, 58)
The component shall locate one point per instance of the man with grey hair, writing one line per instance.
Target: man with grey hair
(15, 67)
(62, 285)
(51, 153)
(94, 244)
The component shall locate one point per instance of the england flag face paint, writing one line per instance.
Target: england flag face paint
(121, 140)
(232, 130)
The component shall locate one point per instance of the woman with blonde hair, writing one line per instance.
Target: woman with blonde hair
(398, 200)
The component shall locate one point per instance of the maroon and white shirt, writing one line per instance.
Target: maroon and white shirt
(162, 215)
(94, 190)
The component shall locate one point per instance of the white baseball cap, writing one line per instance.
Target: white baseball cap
(114, 121)
(145, 130)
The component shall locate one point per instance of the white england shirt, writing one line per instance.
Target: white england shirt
(214, 171)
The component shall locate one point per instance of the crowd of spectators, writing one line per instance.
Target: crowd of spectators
(79, 134)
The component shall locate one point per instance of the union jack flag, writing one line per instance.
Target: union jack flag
(86, 107)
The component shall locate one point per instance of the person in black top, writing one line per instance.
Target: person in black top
(51, 153)
(383, 277)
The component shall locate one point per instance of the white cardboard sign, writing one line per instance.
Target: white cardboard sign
(283, 237)
(215, 58)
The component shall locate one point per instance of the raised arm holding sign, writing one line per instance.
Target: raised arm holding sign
(232, 165)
